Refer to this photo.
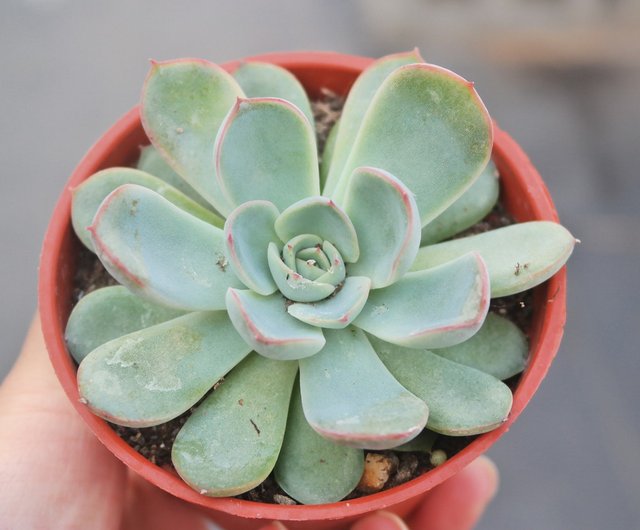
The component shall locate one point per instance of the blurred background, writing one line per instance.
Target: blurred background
(562, 76)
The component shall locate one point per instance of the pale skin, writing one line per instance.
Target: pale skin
(56, 475)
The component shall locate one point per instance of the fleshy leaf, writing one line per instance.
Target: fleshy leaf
(327, 153)
(107, 314)
(88, 196)
(499, 349)
(317, 255)
(423, 443)
(518, 256)
(358, 101)
(338, 311)
(248, 232)
(140, 238)
(292, 284)
(337, 270)
(351, 398)
(434, 308)
(385, 216)
(470, 208)
(151, 161)
(309, 268)
(462, 400)
(263, 322)
(428, 127)
(310, 468)
(322, 217)
(153, 375)
(266, 149)
(261, 80)
(298, 244)
(183, 105)
(231, 442)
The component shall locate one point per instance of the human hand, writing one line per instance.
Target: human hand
(57, 475)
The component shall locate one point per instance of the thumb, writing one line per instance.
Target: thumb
(459, 502)
(54, 472)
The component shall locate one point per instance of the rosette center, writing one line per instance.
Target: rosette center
(307, 268)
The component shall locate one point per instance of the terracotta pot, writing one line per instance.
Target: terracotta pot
(524, 195)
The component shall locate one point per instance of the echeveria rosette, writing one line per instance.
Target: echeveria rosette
(333, 330)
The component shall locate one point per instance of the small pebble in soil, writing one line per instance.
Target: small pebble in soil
(438, 457)
(378, 468)
(283, 499)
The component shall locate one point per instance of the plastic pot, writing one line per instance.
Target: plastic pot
(524, 195)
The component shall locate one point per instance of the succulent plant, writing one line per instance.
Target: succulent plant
(328, 326)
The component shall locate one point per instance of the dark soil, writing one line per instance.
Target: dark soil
(154, 443)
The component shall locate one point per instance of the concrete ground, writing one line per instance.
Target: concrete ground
(69, 68)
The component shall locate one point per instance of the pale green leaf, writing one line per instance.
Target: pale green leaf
(355, 107)
(312, 469)
(183, 105)
(109, 313)
(264, 323)
(259, 80)
(385, 216)
(434, 308)
(462, 400)
(231, 442)
(518, 256)
(140, 238)
(499, 348)
(470, 208)
(248, 232)
(320, 216)
(339, 310)
(88, 196)
(351, 398)
(266, 150)
(153, 375)
(428, 127)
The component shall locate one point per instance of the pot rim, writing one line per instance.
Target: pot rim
(506, 151)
